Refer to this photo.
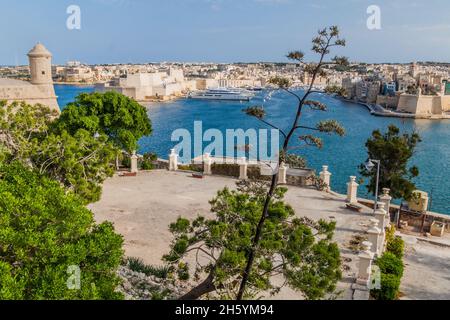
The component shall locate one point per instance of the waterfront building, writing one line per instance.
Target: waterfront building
(349, 84)
(238, 83)
(149, 86)
(203, 84)
(404, 82)
(76, 72)
(320, 81)
(425, 105)
(367, 91)
(389, 88)
(40, 88)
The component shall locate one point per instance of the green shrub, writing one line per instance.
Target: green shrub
(390, 233)
(45, 232)
(151, 156)
(138, 265)
(183, 271)
(146, 165)
(390, 285)
(160, 295)
(396, 246)
(389, 263)
(126, 161)
(225, 169)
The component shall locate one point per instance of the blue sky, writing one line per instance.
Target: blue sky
(114, 31)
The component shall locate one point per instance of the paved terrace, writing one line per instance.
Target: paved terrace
(427, 270)
(142, 207)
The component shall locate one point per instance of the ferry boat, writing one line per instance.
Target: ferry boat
(227, 94)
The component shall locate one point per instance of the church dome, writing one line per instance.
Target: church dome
(39, 50)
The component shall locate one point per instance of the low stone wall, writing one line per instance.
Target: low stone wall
(299, 177)
(418, 219)
(294, 177)
(222, 169)
(161, 164)
(414, 219)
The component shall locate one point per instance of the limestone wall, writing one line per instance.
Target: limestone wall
(32, 94)
(422, 105)
(388, 101)
(446, 103)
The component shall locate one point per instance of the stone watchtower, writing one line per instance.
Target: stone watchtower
(40, 65)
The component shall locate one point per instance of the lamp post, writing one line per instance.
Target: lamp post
(369, 166)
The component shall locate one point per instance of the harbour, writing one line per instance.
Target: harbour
(342, 155)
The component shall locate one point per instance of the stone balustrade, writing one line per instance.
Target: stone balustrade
(380, 214)
(352, 191)
(282, 177)
(376, 237)
(173, 160)
(386, 199)
(325, 175)
(134, 163)
(207, 164)
(243, 168)
(287, 176)
(365, 265)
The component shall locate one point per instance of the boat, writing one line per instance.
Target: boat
(257, 89)
(228, 94)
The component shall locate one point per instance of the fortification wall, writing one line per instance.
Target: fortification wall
(32, 94)
(421, 105)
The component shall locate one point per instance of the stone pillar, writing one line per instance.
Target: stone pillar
(243, 169)
(443, 85)
(352, 190)
(386, 200)
(325, 175)
(375, 237)
(380, 214)
(282, 177)
(134, 163)
(173, 160)
(365, 265)
(383, 221)
(207, 164)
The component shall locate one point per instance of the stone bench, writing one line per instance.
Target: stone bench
(354, 207)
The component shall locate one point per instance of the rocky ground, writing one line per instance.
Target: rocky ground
(139, 286)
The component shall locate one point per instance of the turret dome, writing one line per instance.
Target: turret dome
(39, 50)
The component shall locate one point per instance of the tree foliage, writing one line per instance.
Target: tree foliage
(80, 162)
(299, 249)
(44, 230)
(322, 44)
(120, 118)
(394, 150)
(391, 268)
(78, 148)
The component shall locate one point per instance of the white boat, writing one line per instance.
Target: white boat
(229, 94)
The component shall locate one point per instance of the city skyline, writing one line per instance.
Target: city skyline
(220, 31)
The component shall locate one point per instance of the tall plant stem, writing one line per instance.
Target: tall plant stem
(274, 182)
